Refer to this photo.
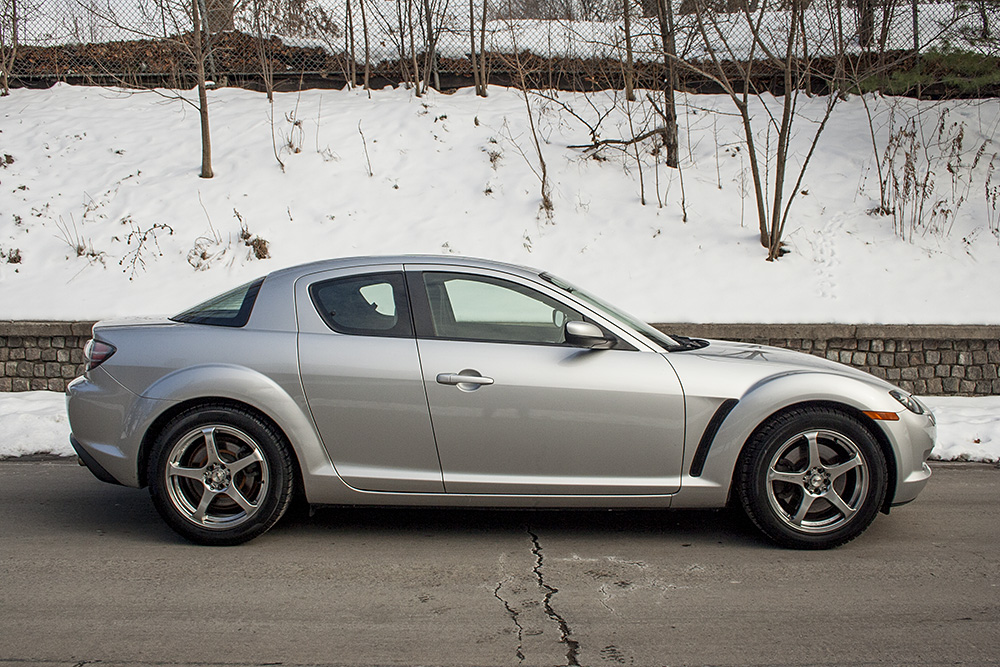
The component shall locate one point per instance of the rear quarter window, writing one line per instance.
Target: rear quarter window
(231, 309)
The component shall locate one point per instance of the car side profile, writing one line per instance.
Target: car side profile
(452, 382)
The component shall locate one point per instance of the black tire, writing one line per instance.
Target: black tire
(227, 497)
(812, 478)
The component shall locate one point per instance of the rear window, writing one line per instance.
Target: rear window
(231, 309)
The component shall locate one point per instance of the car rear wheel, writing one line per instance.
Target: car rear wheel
(219, 475)
(812, 478)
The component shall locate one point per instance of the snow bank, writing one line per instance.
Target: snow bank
(36, 423)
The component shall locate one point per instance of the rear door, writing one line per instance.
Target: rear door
(361, 375)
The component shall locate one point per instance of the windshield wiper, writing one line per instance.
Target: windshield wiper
(684, 343)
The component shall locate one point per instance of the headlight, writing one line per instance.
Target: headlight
(909, 402)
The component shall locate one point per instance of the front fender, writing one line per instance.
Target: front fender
(758, 404)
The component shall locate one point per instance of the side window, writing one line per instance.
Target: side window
(231, 309)
(469, 307)
(373, 304)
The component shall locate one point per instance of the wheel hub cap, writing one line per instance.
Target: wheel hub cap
(217, 477)
(816, 481)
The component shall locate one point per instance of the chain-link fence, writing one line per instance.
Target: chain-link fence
(403, 40)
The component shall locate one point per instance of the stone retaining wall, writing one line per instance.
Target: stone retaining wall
(41, 355)
(924, 359)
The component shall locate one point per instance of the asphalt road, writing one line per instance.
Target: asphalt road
(89, 574)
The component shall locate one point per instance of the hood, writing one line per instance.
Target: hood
(754, 363)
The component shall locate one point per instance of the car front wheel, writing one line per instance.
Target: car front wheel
(219, 475)
(812, 478)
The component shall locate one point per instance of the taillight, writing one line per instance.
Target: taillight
(97, 352)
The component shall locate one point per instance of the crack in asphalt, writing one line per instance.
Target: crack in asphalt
(565, 635)
(517, 623)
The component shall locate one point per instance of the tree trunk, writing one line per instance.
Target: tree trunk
(199, 57)
(352, 58)
(629, 67)
(665, 13)
(368, 58)
(8, 55)
(472, 52)
(866, 23)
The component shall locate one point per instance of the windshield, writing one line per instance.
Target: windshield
(653, 334)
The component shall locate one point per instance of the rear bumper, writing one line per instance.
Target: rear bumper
(91, 463)
(105, 432)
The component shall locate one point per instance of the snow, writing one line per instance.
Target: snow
(102, 212)
(968, 428)
(35, 423)
(101, 203)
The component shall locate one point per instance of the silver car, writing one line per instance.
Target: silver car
(439, 381)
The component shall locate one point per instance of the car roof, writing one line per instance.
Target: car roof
(374, 260)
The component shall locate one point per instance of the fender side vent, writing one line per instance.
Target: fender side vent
(701, 454)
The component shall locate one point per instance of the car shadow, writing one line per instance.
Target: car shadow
(92, 508)
(679, 527)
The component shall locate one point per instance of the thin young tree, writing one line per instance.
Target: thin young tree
(183, 30)
(665, 19)
(629, 58)
(262, 27)
(9, 23)
(473, 60)
(732, 66)
(200, 54)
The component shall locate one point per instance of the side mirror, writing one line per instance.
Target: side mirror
(586, 334)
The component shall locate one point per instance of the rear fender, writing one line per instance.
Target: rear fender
(208, 382)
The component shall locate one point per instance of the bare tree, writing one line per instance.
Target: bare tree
(435, 12)
(262, 27)
(9, 23)
(665, 18)
(183, 29)
(479, 74)
(368, 57)
(199, 55)
(629, 61)
(521, 70)
(732, 67)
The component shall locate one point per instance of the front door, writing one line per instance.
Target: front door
(516, 410)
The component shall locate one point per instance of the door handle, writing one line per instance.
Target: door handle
(456, 378)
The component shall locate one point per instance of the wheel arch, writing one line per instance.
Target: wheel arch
(207, 402)
(242, 388)
(838, 406)
(768, 399)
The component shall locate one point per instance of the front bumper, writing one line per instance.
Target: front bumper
(912, 439)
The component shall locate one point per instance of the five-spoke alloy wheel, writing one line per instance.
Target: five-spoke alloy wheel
(220, 475)
(812, 478)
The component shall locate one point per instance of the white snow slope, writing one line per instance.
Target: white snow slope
(102, 212)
